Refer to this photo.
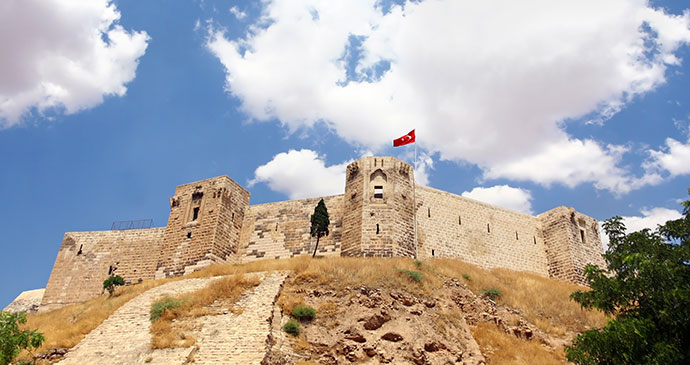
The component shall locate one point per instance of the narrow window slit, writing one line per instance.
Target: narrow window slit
(535, 239)
(582, 236)
(488, 228)
(377, 228)
(516, 236)
(459, 220)
(189, 234)
(195, 213)
(428, 212)
(80, 252)
(432, 253)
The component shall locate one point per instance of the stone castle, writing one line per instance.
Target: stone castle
(211, 221)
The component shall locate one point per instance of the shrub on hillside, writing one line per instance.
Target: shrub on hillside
(159, 307)
(492, 293)
(112, 282)
(414, 275)
(304, 313)
(292, 327)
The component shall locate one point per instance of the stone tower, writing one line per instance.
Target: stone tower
(204, 226)
(572, 242)
(378, 208)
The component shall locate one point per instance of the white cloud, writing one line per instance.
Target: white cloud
(675, 161)
(503, 196)
(63, 54)
(487, 82)
(301, 174)
(239, 14)
(573, 162)
(650, 218)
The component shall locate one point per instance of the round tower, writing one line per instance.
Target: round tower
(378, 215)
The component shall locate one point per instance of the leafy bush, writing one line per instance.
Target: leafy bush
(418, 263)
(492, 293)
(414, 275)
(160, 306)
(13, 340)
(292, 327)
(112, 282)
(467, 277)
(304, 313)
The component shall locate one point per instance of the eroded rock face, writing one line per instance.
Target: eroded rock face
(27, 301)
(392, 336)
(390, 325)
(376, 321)
(354, 335)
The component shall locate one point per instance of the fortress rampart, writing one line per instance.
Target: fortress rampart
(211, 221)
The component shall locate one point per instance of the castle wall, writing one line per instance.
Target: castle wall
(449, 225)
(282, 230)
(204, 225)
(86, 258)
(211, 221)
(573, 242)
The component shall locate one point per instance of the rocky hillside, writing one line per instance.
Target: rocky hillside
(396, 311)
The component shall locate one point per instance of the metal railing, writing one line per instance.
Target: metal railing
(134, 224)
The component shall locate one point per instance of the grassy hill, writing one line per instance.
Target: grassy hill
(378, 310)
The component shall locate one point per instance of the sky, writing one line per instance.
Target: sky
(106, 106)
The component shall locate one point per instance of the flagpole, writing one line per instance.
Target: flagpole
(414, 201)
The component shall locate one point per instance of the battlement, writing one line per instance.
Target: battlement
(382, 213)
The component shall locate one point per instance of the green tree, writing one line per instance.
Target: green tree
(112, 282)
(646, 290)
(13, 340)
(319, 223)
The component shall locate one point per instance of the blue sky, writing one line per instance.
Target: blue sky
(106, 106)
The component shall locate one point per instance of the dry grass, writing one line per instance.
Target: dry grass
(542, 301)
(170, 330)
(505, 349)
(288, 301)
(337, 273)
(327, 314)
(447, 319)
(66, 326)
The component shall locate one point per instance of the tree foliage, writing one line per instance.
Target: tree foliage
(112, 282)
(319, 223)
(646, 290)
(13, 340)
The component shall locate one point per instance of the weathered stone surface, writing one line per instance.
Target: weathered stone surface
(354, 335)
(434, 346)
(28, 301)
(124, 337)
(376, 321)
(240, 339)
(392, 336)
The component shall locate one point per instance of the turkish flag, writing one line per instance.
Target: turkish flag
(406, 139)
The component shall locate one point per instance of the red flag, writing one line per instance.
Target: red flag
(406, 139)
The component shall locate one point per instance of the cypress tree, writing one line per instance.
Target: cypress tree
(319, 223)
